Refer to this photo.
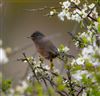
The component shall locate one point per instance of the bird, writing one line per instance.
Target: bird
(44, 46)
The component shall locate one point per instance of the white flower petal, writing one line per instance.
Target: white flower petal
(66, 4)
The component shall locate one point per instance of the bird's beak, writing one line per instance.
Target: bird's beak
(29, 37)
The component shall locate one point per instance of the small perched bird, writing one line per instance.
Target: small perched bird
(44, 46)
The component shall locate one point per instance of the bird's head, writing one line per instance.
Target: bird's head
(37, 36)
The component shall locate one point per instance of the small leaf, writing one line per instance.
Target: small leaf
(99, 19)
(29, 90)
(61, 48)
(85, 40)
(61, 87)
(99, 27)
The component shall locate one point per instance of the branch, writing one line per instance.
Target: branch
(46, 85)
(52, 83)
(43, 8)
(70, 80)
(92, 9)
(89, 12)
(62, 93)
(81, 89)
(30, 65)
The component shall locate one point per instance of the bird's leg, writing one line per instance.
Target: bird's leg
(51, 64)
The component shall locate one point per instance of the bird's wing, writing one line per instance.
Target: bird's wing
(49, 46)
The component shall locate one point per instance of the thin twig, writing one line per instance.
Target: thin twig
(43, 8)
(92, 10)
(46, 85)
(30, 65)
(70, 80)
(89, 12)
(62, 93)
(80, 91)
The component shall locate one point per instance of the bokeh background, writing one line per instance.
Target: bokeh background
(18, 22)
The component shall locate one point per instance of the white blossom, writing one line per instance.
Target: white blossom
(87, 36)
(65, 81)
(21, 88)
(94, 13)
(84, 11)
(51, 13)
(96, 62)
(77, 2)
(84, 14)
(77, 11)
(84, 93)
(30, 74)
(68, 15)
(87, 51)
(66, 49)
(73, 62)
(77, 43)
(80, 61)
(11, 92)
(79, 73)
(24, 84)
(66, 4)
(56, 71)
(47, 67)
(91, 5)
(61, 15)
(94, 43)
(76, 17)
(96, 25)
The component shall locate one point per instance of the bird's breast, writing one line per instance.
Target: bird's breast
(41, 49)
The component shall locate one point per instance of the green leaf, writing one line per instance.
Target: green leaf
(60, 86)
(39, 89)
(94, 91)
(75, 68)
(97, 75)
(6, 84)
(86, 81)
(0, 77)
(29, 90)
(85, 40)
(99, 25)
(51, 91)
(99, 28)
(98, 1)
(89, 66)
(98, 19)
(61, 48)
